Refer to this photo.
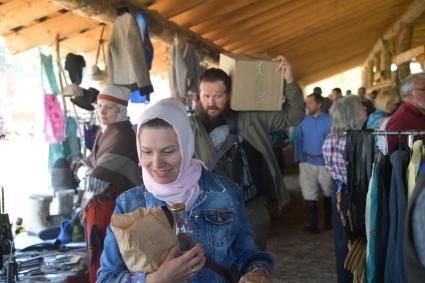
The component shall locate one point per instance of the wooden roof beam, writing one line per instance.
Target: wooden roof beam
(414, 11)
(159, 27)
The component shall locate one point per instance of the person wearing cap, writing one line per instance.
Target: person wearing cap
(110, 169)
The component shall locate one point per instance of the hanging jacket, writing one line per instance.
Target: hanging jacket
(126, 55)
(415, 270)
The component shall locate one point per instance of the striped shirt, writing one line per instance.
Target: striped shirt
(335, 157)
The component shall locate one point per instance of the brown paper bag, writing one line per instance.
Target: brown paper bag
(144, 238)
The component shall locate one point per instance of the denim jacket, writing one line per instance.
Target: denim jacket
(220, 225)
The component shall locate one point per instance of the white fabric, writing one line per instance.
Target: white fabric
(185, 188)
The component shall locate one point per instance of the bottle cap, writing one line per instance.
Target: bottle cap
(178, 206)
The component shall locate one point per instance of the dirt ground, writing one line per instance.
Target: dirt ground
(300, 257)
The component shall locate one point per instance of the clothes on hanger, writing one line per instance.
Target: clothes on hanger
(413, 168)
(74, 64)
(126, 55)
(394, 269)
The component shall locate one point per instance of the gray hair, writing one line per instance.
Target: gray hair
(409, 84)
(346, 114)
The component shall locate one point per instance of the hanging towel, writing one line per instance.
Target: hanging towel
(47, 69)
(54, 124)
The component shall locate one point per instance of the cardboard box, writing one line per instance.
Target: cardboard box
(256, 85)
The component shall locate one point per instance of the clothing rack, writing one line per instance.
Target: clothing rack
(411, 135)
(410, 139)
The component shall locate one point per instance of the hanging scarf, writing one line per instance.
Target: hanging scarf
(185, 188)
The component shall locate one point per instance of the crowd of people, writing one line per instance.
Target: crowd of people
(221, 165)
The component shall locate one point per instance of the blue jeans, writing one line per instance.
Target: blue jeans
(340, 240)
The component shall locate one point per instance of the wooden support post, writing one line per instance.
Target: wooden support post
(386, 61)
(369, 82)
(403, 43)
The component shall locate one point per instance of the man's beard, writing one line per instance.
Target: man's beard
(216, 121)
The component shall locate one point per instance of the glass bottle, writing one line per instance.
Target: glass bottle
(184, 229)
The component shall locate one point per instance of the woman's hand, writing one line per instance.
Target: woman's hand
(177, 266)
(256, 276)
(285, 68)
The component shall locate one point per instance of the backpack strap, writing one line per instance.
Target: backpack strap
(231, 139)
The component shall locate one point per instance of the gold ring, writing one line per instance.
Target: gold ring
(193, 269)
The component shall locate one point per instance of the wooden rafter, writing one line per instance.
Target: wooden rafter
(170, 8)
(270, 33)
(231, 19)
(244, 26)
(209, 10)
(18, 13)
(328, 38)
(161, 28)
(45, 32)
(84, 40)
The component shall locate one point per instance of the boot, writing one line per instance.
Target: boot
(312, 227)
(327, 213)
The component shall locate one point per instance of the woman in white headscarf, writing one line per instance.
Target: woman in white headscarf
(213, 204)
(110, 169)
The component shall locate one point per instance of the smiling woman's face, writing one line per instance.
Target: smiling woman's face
(160, 153)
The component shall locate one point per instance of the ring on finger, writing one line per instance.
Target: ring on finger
(193, 270)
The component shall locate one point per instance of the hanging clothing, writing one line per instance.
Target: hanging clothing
(54, 124)
(126, 55)
(413, 168)
(71, 144)
(194, 70)
(394, 271)
(382, 216)
(147, 43)
(371, 222)
(179, 71)
(359, 157)
(90, 132)
(414, 242)
(48, 70)
(74, 64)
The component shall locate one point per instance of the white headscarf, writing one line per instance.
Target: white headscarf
(185, 188)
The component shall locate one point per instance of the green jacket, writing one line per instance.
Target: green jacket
(254, 127)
